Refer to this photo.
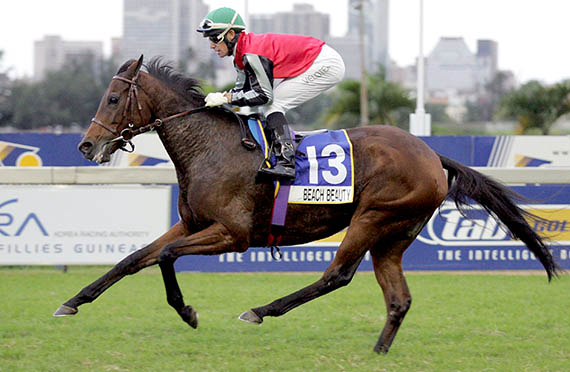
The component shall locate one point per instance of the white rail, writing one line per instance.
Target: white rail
(87, 175)
(158, 175)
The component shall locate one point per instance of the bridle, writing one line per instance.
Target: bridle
(127, 134)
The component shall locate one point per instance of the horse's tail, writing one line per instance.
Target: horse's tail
(499, 201)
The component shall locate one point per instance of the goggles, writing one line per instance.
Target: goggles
(216, 39)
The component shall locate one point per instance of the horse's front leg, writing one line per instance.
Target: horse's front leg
(134, 262)
(216, 239)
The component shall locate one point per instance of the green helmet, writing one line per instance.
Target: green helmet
(219, 21)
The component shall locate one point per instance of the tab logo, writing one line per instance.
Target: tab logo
(15, 154)
(448, 227)
(457, 228)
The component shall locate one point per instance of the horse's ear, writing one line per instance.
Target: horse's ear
(134, 68)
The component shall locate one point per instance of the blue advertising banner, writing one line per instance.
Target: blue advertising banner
(504, 151)
(41, 149)
(448, 242)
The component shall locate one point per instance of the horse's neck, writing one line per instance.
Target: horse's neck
(203, 137)
(183, 141)
(179, 136)
(201, 141)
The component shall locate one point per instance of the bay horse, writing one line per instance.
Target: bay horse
(399, 184)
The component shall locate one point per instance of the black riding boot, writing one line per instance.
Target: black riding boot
(282, 147)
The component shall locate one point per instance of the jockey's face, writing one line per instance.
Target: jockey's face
(221, 48)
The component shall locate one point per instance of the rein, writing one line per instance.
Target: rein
(128, 133)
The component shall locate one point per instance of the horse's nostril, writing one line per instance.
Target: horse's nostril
(85, 146)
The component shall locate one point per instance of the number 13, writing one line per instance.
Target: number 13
(336, 163)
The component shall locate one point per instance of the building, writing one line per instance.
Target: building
(451, 66)
(487, 59)
(53, 53)
(163, 28)
(349, 48)
(261, 23)
(198, 11)
(302, 20)
(117, 49)
(4, 87)
(375, 29)
(373, 32)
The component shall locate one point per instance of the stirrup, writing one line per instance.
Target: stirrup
(279, 171)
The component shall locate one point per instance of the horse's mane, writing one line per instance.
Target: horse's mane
(186, 87)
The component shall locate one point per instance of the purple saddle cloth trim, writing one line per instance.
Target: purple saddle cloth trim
(281, 201)
(280, 205)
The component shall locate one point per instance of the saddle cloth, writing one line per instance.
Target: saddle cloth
(323, 164)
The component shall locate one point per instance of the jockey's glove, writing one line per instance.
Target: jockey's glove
(215, 99)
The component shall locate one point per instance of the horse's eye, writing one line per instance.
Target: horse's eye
(113, 100)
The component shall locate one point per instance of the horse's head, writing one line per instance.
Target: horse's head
(122, 109)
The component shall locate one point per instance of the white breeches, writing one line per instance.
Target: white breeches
(326, 71)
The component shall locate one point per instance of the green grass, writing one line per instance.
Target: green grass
(456, 323)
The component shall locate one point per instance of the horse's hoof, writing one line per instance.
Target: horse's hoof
(381, 349)
(65, 310)
(250, 317)
(190, 316)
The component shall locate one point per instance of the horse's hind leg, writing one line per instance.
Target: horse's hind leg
(387, 263)
(356, 243)
(390, 276)
(134, 262)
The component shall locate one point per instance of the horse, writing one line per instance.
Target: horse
(399, 182)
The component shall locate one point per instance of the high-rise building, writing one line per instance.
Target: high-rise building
(198, 11)
(161, 28)
(375, 29)
(117, 51)
(52, 53)
(349, 49)
(302, 20)
(487, 58)
(373, 33)
(380, 53)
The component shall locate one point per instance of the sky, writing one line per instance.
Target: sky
(533, 35)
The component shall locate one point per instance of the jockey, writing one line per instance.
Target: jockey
(306, 66)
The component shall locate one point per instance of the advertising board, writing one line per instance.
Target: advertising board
(86, 225)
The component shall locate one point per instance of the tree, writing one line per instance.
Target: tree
(345, 107)
(66, 97)
(535, 106)
(4, 91)
(307, 115)
(389, 103)
(485, 106)
(438, 113)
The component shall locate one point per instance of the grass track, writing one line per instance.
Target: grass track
(457, 323)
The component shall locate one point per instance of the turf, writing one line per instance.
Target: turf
(456, 323)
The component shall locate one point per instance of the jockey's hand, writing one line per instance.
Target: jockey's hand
(215, 99)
